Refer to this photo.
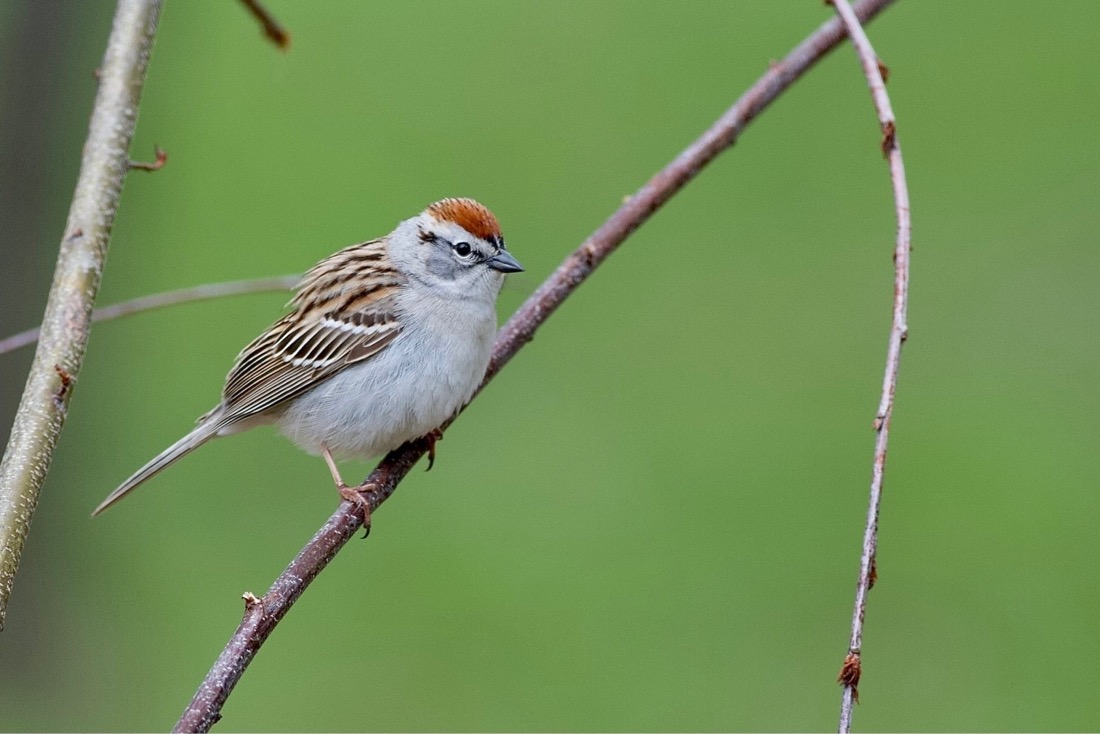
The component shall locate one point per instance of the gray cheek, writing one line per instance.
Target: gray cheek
(442, 265)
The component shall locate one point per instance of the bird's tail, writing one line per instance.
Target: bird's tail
(202, 433)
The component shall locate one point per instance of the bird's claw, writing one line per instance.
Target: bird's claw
(357, 496)
(436, 435)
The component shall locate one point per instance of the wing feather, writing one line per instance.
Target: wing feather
(345, 311)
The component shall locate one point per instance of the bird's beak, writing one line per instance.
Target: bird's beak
(505, 263)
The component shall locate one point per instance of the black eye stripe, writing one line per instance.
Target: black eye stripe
(428, 237)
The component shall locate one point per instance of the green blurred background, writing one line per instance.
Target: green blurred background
(652, 519)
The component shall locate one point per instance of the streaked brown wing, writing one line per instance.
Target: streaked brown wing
(345, 312)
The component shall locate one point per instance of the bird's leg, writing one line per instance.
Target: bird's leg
(436, 435)
(333, 469)
(353, 495)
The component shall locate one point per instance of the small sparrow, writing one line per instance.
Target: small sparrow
(386, 341)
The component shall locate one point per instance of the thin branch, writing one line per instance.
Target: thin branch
(272, 29)
(76, 279)
(160, 161)
(168, 298)
(262, 615)
(872, 69)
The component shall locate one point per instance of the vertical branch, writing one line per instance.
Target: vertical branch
(76, 279)
(873, 70)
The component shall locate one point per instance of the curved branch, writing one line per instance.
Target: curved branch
(168, 298)
(76, 279)
(263, 614)
(873, 70)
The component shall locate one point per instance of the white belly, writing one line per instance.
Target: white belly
(401, 393)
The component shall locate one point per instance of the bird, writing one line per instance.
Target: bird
(384, 341)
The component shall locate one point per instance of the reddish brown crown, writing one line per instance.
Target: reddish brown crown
(468, 214)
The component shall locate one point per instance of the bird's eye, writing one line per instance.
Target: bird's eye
(462, 249)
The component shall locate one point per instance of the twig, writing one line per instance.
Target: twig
(76, 279)
(168, 298)
(159, 163)
(272, 29)
(262, 615)
(872, 69)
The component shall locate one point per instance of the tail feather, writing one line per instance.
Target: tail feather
(200, 435)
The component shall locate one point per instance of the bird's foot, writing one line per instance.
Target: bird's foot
(355, 495)
(358, 497)
(436, 435)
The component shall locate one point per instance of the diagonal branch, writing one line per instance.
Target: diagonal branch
(76, 279)
(873, 69)
(271, 27)
(168, 298)
(263, 614)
